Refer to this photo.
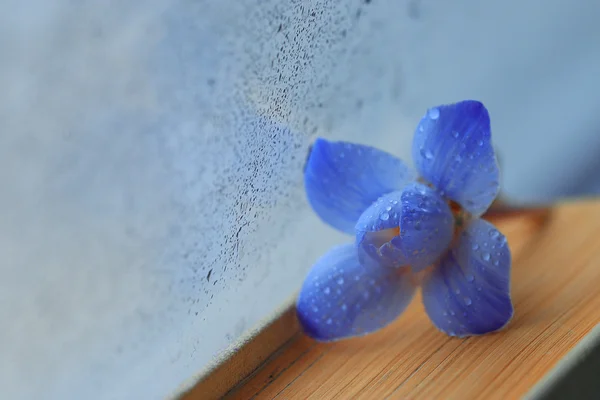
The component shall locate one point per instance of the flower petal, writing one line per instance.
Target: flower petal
(469, 292)
(341, 298)
(413, 227)
(452, 149)
(343, 179)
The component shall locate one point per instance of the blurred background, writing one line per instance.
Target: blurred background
(152, 209)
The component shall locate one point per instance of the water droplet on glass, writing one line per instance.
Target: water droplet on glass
(486, 256)
(384, 216)
(468, 301)
(470, 277)
(327, 290)
(434, 113)
(340, 281)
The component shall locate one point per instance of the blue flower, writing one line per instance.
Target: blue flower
(411, 229)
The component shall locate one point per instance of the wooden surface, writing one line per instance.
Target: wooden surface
(555, 288)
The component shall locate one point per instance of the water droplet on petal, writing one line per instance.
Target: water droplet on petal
(468, 301)
(389, 208)
(475, 246)
(455, 134)
(457, 291)
(494, 233)
(445, 314)
(340, 281)
(496, 263)
(426, 154)
(434, 113)
(420, 128)
(384, 217)
(344, 307)
(480, 143)
(470, 277)
(452, 312)
(486, 256)
(326, 290)
(329, 321)
(315, 309)
(418, 225)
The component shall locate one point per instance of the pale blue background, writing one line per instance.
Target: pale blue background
(146, 143)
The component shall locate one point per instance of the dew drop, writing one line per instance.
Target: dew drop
(384, 217)
(315, 309)
(344, 307)
(340, 281)
(457, 291)
(458, 158)
(470, 277)
(420, 128)
(475, 246)
(426, 154)
(455, 134)
(496, 263)
(486, 256)
(389, 208)
(480, 143)
(494, 233)
(434, 113)
(329, 321)
(327, 290)
(468, 301)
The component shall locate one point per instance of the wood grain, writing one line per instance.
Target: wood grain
(555, 281)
